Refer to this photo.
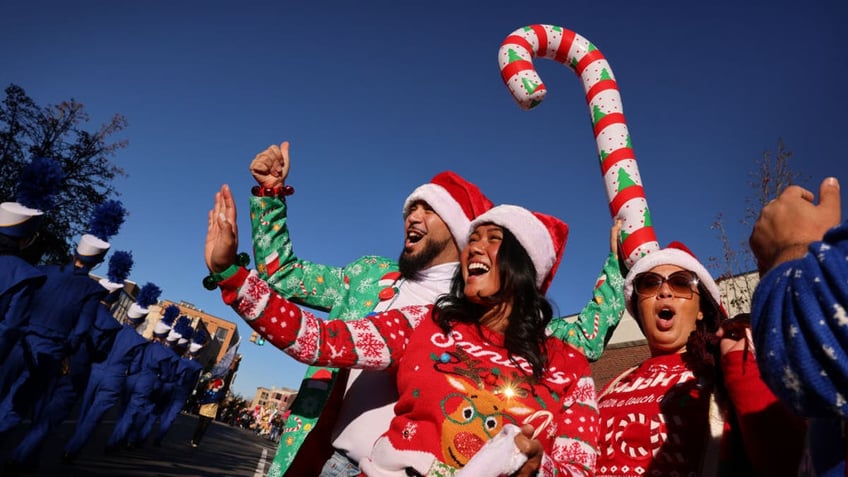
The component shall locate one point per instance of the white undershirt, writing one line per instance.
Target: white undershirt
(368, 405)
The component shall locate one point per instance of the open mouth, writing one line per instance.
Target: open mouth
(665, 314)
(665, 318)
(413, 236)
(476, 268)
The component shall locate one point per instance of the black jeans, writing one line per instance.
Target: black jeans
(202, 424)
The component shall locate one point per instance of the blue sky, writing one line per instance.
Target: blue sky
(377, 97)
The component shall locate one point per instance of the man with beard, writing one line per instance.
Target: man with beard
(356, 407)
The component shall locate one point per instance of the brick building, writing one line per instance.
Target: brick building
(273, 398)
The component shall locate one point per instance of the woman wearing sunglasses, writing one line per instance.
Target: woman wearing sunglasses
(697, 406)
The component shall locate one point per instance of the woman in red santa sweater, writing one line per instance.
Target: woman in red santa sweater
(476, 361)
(697, 406)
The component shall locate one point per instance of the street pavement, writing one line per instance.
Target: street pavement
(224, 451)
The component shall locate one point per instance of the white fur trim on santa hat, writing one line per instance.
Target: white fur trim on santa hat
(670, 256)
(173, 335)
(443, 203)
(194, 347)
(531, 233)
(90, 246)
(136, 311)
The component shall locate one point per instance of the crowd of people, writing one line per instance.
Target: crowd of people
(450, 361)
(265, 422)
(62, 349)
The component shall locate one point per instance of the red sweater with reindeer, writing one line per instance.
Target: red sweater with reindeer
(457, 390)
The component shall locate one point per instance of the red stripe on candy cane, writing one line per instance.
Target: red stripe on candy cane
(629, 193)
(564, 46)
(587, 60)
(600, 87)
(542, 37)
(514, 68)
(634, 240)
(615, 157)
(612, 118)
(518, 41)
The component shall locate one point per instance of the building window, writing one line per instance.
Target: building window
(221, 334)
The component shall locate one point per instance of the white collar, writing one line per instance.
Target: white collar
(442, 272)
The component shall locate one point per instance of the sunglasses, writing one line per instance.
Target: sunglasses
(682, 283)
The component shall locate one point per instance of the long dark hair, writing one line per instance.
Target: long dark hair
(531, 312)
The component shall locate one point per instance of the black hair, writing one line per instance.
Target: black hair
(531, 312)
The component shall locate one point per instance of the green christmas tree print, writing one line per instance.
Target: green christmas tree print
(513, 55)
(597, 114)
(647, 218)
(530, 86)
(605, 75)
(624, 180)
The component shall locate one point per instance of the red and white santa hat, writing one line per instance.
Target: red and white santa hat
(676, 253)
(456, 200)
(542, 236)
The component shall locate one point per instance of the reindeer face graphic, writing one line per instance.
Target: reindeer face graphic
(472, 417)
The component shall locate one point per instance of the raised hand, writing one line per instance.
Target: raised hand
(615, 236)
(271, 166)
(222, 232)
(788, 224)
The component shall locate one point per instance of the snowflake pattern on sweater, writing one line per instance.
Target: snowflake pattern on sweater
(457, 390)
(800, 306)
(800, 326)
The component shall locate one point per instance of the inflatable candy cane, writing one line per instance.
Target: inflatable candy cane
(618, 163)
